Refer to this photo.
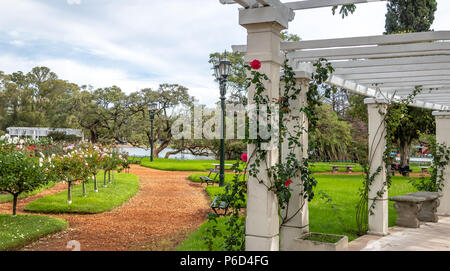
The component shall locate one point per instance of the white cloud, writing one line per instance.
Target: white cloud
(110, 42)
(74, 2)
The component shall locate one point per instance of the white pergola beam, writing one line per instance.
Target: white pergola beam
(389, 62)
(378, 56)
(245, 4)
(423, 84)
(373, 51)
(393, 69)
(309, 4)
(421, 94)
(428, 88)
(411, 81)
(390, 75)
(360, 41)
(367, 40)
(364, 90)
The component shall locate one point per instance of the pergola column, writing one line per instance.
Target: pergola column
(298, 206)
(378, 221)
(264, 26)
(443, 137)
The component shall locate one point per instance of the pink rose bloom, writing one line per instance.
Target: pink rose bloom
(244, 157)
(255, 64)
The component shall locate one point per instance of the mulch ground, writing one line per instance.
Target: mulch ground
(165, 211)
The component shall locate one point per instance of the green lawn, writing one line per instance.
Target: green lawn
(205, 165)
(124, 187)
(16, 232)
(181, 165)
(343, 189)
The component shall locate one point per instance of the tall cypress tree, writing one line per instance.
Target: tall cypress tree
(410, 15)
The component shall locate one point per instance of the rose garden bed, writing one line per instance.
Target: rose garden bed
(120, 191)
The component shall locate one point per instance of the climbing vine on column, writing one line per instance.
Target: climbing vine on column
(396, 112)
(279, 178)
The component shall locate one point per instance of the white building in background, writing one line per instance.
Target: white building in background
(35, 132)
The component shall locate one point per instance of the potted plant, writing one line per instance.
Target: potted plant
(322, 242)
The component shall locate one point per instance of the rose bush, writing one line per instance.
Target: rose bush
(23, 168)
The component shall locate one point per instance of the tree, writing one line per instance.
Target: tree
(20, 169)
(170, 98)
(36, 99)
(332, 137)
(415, 122)
(410, 15)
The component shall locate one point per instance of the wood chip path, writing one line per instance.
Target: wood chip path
(167, 208)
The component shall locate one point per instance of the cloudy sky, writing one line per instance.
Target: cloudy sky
(140, 43)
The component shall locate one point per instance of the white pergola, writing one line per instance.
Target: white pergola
(37, 132)
(382, 68)
(386, 66)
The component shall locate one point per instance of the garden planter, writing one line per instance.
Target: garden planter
(330, 242)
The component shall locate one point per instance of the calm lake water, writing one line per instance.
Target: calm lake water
(141, 152)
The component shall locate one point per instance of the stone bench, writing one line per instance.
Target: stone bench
(424, 169)
(336, 168)
(415, 207)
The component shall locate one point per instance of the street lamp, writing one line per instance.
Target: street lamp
(222, 71)
(152, 107)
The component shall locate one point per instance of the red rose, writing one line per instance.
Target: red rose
(255, 64)
(288, 182)
(244, 157)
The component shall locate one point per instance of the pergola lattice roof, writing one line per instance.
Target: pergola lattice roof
(385, 66)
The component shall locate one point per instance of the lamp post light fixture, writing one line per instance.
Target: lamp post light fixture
(222, 71)
(152, 108)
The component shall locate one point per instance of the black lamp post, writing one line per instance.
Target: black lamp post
(222, 72)
(152, 107)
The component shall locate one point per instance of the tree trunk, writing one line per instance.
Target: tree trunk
(104, 179)
(84, 188)
(93, 136)
(15, 197)
(404, 149)
(69, 193)
(168, 154)
(109, 176)
(95, 183)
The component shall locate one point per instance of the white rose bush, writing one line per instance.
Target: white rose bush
(23, 167)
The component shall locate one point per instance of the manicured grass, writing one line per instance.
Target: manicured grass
(181, 165)
(327, 166)
(9, 198)
(123, 188)
(322, 238)
(16, 232)
(343, 190)
(205, 165)
(318, 167)
(195, 242)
